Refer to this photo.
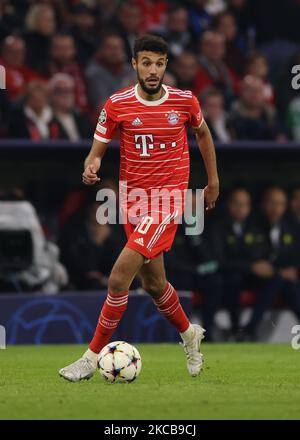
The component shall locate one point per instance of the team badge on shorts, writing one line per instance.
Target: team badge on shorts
(173, 117)
(103, 116)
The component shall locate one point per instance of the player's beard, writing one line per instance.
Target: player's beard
(146, 89)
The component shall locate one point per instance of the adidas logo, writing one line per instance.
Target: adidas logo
(139, 241)
(137, 121)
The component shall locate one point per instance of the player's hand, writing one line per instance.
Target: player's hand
(89, 176)
(211, 193)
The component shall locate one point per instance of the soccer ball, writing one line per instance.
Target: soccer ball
(119, 362)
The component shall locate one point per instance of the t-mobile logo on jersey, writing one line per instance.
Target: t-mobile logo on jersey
(144, 142)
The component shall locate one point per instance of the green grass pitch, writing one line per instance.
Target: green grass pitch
(239, 381)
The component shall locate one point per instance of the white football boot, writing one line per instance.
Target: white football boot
(84, 368)
(191, 344)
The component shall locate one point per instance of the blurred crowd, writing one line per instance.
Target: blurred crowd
(248, 255)
(64, 58)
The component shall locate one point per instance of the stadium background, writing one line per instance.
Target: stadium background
(235, 55)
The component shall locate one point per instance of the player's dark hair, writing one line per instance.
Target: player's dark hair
(151, 43)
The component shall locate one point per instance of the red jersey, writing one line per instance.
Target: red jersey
(153, 137)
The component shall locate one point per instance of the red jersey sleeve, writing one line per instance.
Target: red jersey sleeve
(196, 117)
(107, 123)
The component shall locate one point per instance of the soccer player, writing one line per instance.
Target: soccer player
(152, 119)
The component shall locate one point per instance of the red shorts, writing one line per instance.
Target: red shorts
(150, 238)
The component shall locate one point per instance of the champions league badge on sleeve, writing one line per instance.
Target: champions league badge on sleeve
(103, 116)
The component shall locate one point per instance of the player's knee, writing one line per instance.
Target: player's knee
(117, 283)
(154, 286)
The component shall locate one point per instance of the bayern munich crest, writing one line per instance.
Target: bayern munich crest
(173, 117)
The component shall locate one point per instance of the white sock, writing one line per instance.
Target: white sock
(188, 334)
(91, 356)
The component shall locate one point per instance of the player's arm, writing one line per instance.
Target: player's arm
(207, 149)
(104, 132)
(93, 162)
